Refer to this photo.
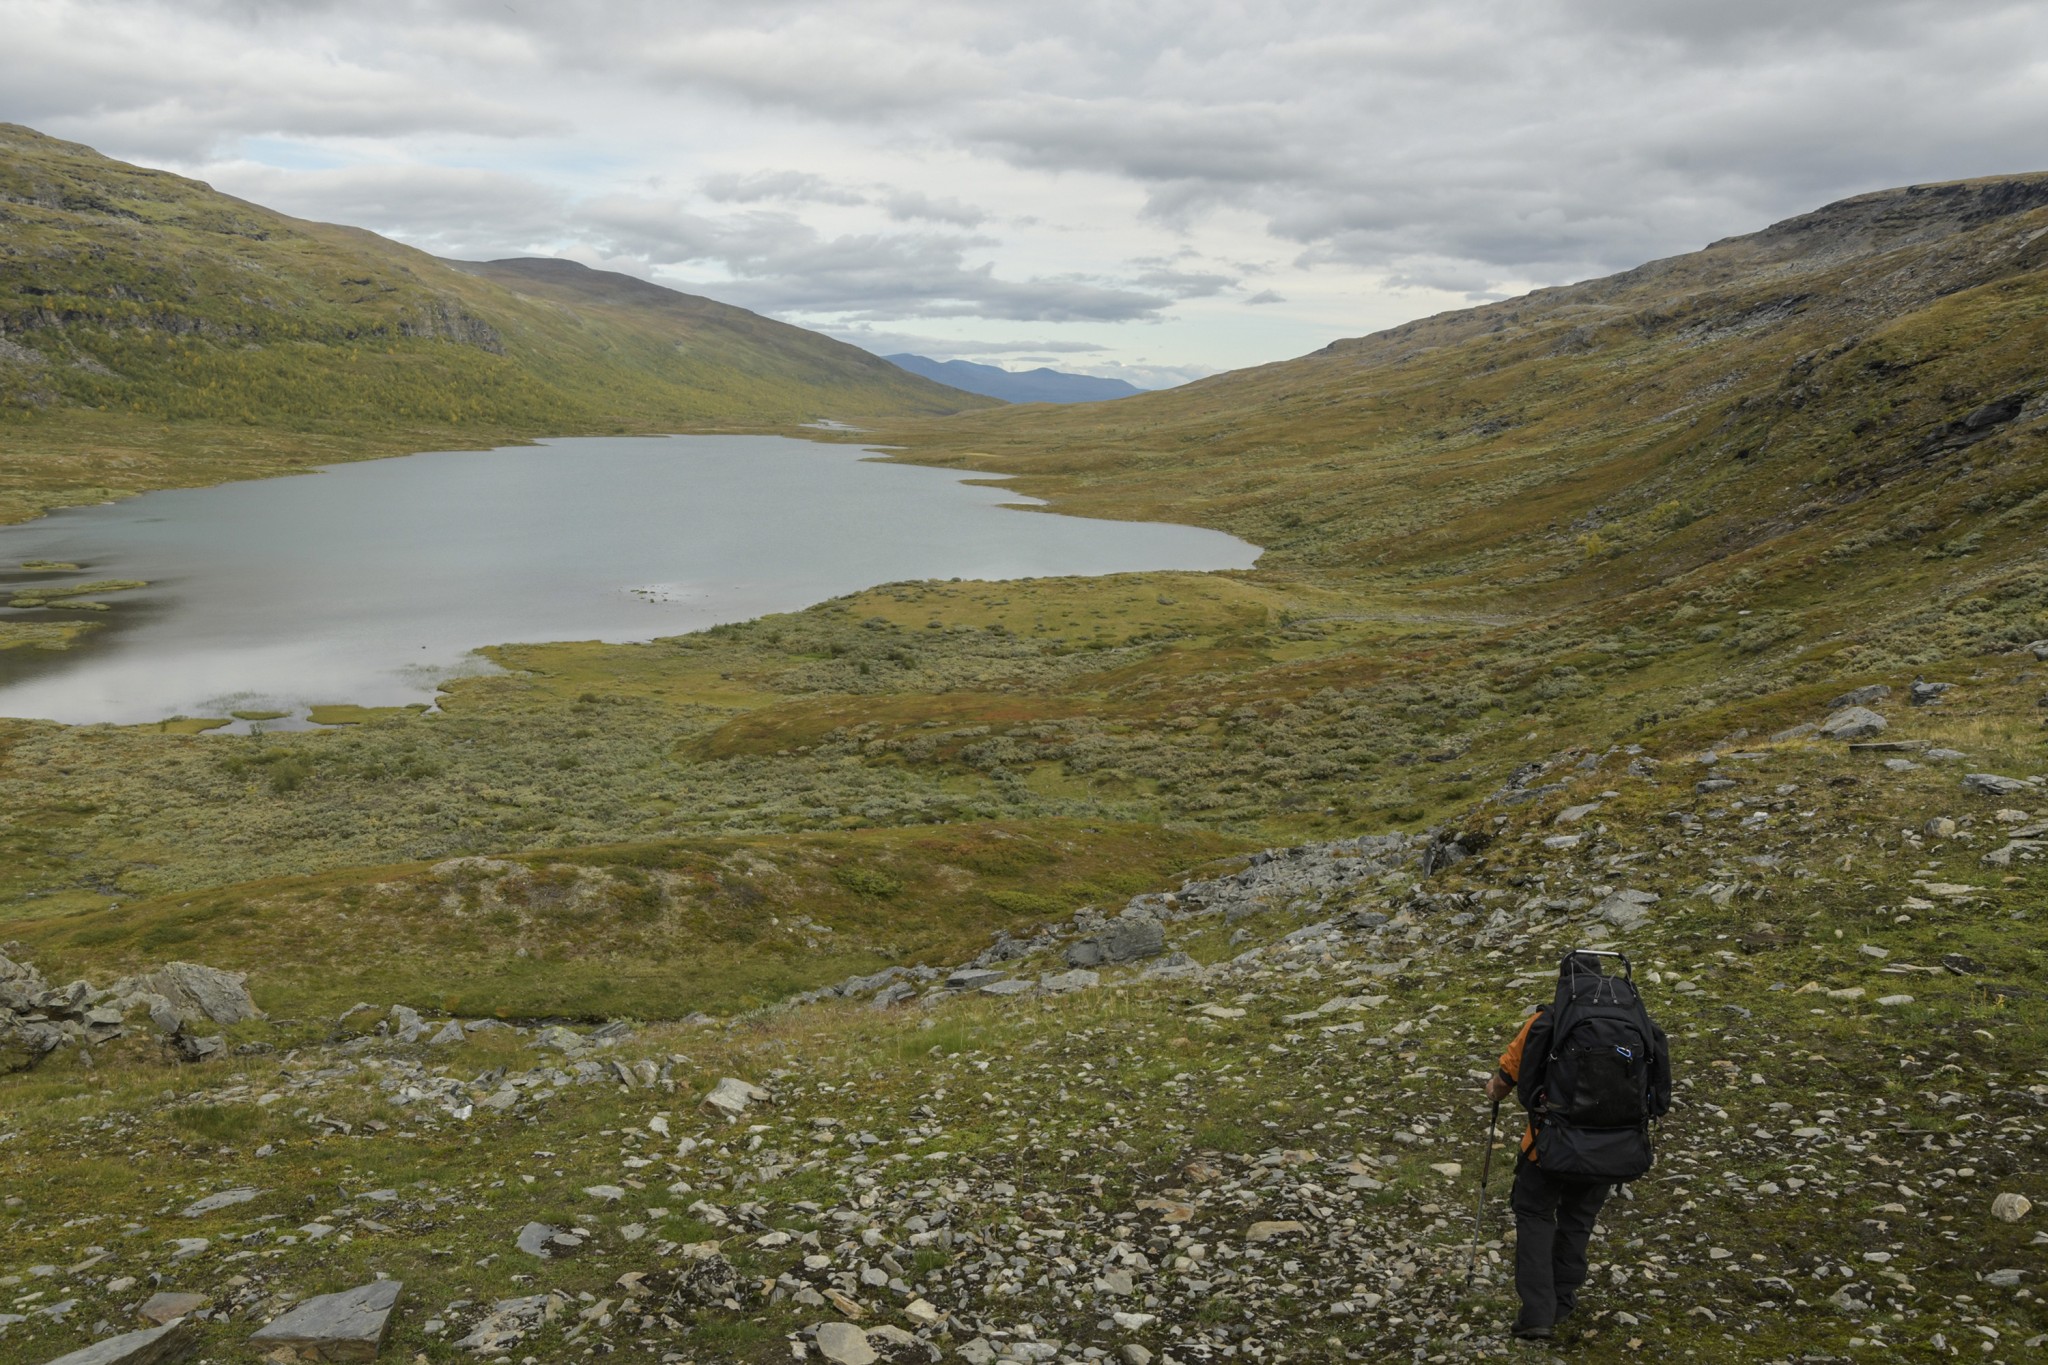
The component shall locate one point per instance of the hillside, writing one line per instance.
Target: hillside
(1104, 969)
(154, 333)
(1042, 385)
(1876, 355)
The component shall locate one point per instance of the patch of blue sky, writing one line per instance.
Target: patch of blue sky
(290, 155)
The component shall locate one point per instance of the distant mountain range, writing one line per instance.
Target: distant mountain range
(1041, 385)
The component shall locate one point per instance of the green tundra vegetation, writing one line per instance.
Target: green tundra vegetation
(1674, 511)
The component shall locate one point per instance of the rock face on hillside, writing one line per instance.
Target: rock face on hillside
(179, 998)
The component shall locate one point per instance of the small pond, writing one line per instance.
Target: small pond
(371, 583)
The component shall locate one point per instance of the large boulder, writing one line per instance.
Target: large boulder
(731, 1096)
(1853, 722)
(195, 994)
(1127, 938)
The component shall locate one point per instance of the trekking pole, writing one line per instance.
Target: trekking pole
(1479, 1206)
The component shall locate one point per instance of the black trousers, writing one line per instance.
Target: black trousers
(1553, 1222)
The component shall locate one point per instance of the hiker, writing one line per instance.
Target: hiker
(1593, 1071)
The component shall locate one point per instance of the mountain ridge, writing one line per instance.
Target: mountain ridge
(158, 332)
(1041, 385)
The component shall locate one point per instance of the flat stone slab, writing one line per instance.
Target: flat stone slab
(844, 1344)
(225, 1199)
(345, 1326)
(164, 1308)
(156, 1346)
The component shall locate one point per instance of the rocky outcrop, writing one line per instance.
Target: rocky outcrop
(179, 1000)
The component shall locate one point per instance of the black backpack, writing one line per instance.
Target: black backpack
(1596, 1072)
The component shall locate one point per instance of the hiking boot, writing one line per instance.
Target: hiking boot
(1534, 1336)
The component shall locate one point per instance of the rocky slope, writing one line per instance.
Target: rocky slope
(1232, 1119)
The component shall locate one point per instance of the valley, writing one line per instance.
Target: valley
(1564, 606)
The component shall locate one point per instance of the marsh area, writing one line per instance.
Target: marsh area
(372, 583)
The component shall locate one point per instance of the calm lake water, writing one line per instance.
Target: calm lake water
(372, 582)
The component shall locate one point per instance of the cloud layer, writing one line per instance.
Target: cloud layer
(1188, 186)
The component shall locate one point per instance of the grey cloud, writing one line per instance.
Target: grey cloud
(813, 64)
(788, 186)
(139, 79)
(908, 206)
(1470, 145)
(1181, 140)
(447, 210)
(779, 264)
(1183, 284)
(1266, 296)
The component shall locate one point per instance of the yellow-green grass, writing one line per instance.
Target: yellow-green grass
(643, 931)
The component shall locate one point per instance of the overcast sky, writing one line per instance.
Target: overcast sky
(1157, 190)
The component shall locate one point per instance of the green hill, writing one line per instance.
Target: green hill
(154, 332)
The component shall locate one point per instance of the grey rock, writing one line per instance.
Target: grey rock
(731, 1096)
(152, 1346)
(161, 1309)
(198, 994)
(1127, 938)
(451, 1032)
(969, 978)
(506, 1323)
(225, 1199)
(844, 1344)
(1926, 693)
(895, 993)
(1853, 722)
(1627, 909)
(561, 1038)
(1571, 815)
(345, 1326)
(163, 1015)
(1175, 967)
(534, 1239)
(405, 1022)
(1010, 986)
(1708, 786)
(706, 1282)
(1079, 979)
(1862, 696)
(2039, 649)
(193, 1049)
(1993, 784)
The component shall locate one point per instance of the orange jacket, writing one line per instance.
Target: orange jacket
(1511, 1070)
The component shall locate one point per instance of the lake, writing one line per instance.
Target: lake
(372, 582)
